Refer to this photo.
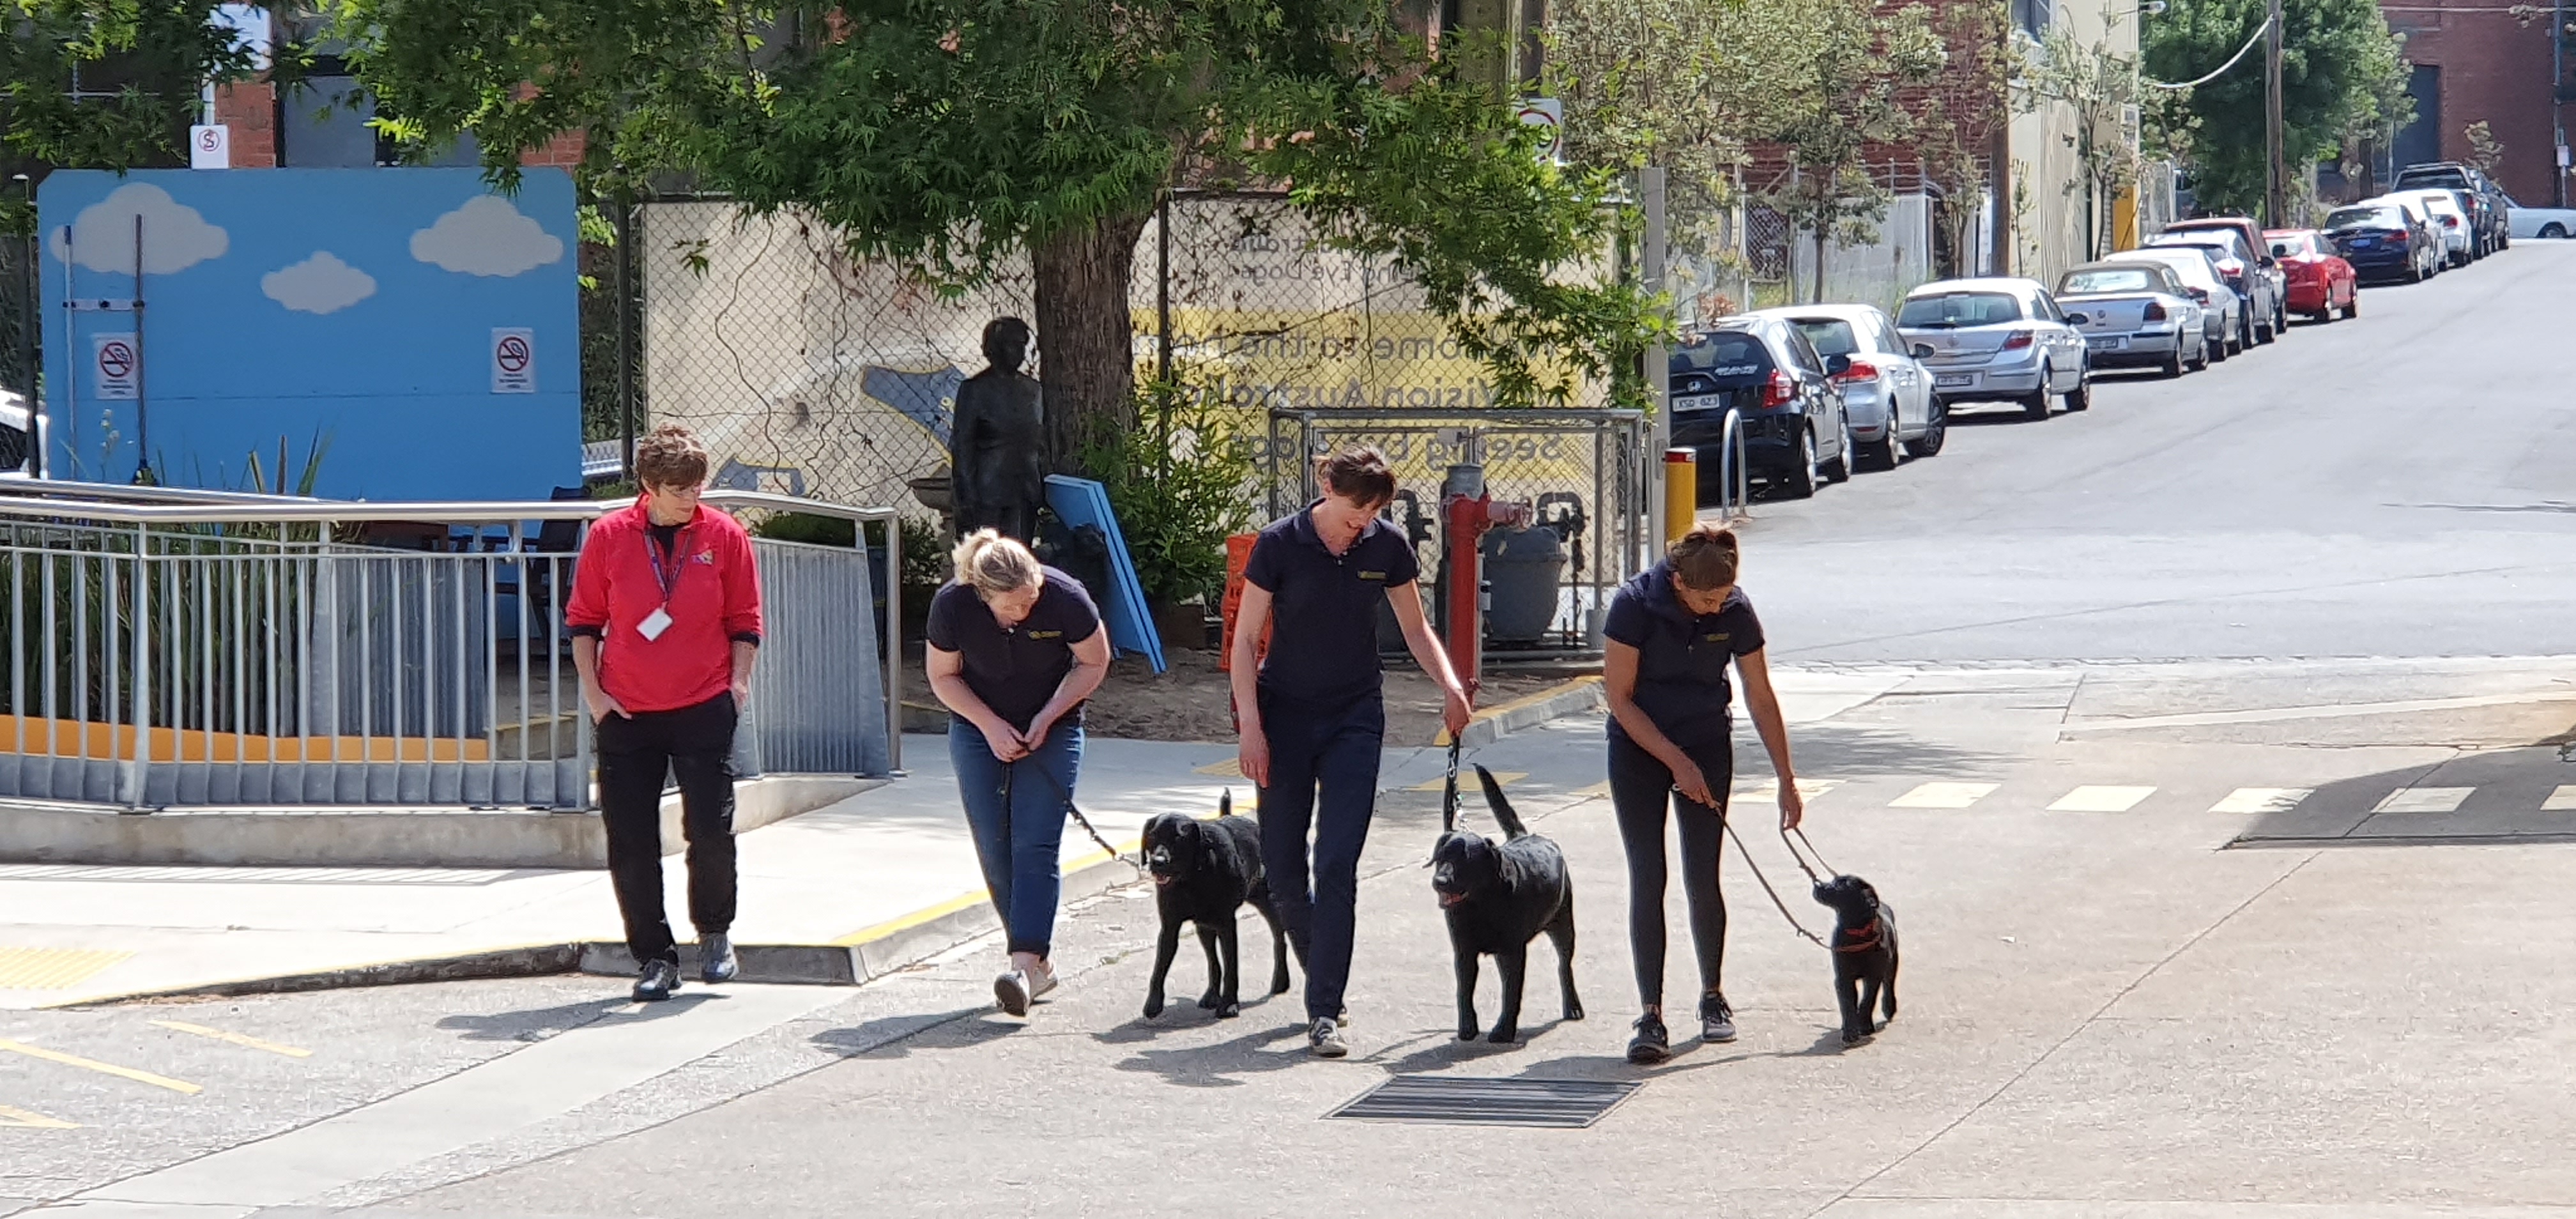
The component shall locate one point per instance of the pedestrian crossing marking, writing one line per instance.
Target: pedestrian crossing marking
(53, 968)
(2424, 800)
(33, 1121)
(103, 1068)
(2262, 800)
(2561, 800)
(1769, 789)
(2096, 799)
(1944, 795)
(1231, 768)
(238, 1039)
(1500, 776)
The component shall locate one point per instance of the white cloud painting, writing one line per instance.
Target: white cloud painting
(320, 284)
(175, 236)
(486, 237)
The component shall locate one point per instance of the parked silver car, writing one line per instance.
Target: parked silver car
(2222, 310)
(2257, 281)
(1996, 340)
(1887, 393)
(2135, 314)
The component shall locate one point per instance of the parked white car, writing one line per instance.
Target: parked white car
(1887, 393)
(19, 428)
(1996, 340)
(2549, 222)
(2135, 314)
(2222, 310)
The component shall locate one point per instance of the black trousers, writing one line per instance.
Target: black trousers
(635, 754)
(1641, 789)
(1323, 776)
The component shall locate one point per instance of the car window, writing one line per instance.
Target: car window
(2365, 217)
(2045, 308)
(1802, 353)
(1959, 309)
(2108, 279)
(1888, 339)
(1832, 336)
(2190, 268)
(2293, 245)
(1725, 353)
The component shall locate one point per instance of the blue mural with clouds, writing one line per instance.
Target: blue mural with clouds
(418, 327)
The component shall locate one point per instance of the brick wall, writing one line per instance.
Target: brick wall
(563, 152)
(251, 111)
(2493, 68)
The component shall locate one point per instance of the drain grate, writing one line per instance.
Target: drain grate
(1558, 1104)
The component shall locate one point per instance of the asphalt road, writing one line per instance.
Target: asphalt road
(2394, 485)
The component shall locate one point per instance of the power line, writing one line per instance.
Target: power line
(2222, 68)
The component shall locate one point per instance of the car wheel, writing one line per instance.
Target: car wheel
(2213, 351)
(2034, 406)
(2174, 364)
(2200, 362)
(2080, 398)
(2352, 304)
(1799, 481)
(1938, 430)
(1883, 454)
(2266, 330)
(1839, 470)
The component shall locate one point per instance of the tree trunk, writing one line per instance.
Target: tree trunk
(1823, 228)
(1086, 348)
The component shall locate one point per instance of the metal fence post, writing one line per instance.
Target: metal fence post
(1659, 370)
(623, 263)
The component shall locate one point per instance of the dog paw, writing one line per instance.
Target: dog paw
(1279, 985)
(1503, 1034)
(1574, 1011)
(1228, 1011)
(1467, 1032)
(1210, 1001)
(1854, 1038)
(1153, 1008)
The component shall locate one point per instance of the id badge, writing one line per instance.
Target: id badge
(654, 624)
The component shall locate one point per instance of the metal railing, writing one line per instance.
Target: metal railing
(176, 647)
(1734, 478)
(1592, 459)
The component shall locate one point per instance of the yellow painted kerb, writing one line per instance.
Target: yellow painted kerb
(1590, 679)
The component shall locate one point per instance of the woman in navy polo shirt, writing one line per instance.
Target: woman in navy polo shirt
(1014, 649)
(1313, 717)
(1671, 632)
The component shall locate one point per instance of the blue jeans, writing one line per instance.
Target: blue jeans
(1323, 773)
(1018, 819)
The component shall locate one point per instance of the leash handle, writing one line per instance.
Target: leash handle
(1793, 846)
(1767, 890)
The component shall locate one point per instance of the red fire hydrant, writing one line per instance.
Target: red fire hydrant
(1467, 512)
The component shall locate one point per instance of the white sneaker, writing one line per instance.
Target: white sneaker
(1043, 981)
(1012, 990)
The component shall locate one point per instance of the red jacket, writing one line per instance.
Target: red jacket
(714, 600)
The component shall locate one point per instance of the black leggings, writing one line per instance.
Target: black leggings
(1640, 789)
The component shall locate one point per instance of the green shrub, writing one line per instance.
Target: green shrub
(1180, 485)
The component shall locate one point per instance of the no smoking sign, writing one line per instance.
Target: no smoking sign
(116, 365)
(514, 360)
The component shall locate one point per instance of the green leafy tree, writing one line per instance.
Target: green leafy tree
(2339, 62)
(110, 84)
(950, 135)
(1842, 95)
(2098, 85)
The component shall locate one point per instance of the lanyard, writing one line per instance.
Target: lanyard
(653, 552)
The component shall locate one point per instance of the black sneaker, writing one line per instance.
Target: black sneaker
(1325, 1039)
(720, 963)
(1652, 1044)
(657, 981)
(1716, 1020)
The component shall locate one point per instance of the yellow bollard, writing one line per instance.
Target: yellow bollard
(1681, 492)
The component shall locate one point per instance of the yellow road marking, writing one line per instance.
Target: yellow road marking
(1944, 795)
(53, 968)
(1505, 777)
(2101, 799)
(1532, 700)
(1231, 768)
(104, 1068)
(235, 1038)
(2261, 800)
(38, 1121)
(1768, 789)
(963, 901)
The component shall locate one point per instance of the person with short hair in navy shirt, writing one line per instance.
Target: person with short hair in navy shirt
(1014, 649)
(1671, 633)
(1313, 716)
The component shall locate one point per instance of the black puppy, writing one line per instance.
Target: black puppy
(1498, 898)
(1864, 947)
(1203, 872)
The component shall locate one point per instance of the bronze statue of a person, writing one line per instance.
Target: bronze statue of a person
(997, 443)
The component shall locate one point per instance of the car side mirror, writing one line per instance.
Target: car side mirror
(2077, 319)
(2280, 251)
(1923, 351)
(1836, 366)
(2269, 262)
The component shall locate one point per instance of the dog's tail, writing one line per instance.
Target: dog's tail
(1225, 803)
(1503, 814)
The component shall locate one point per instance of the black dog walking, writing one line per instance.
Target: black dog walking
(1497, 898)
(1672, 632)
(1864, 948)
(1203, 872)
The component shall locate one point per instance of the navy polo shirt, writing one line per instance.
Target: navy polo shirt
(1323, 608)
(1015, 670)
(1681, 656)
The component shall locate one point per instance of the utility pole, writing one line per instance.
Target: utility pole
(2276, 208)
(2557, 120)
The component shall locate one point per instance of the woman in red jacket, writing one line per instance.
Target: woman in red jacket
(665, 618)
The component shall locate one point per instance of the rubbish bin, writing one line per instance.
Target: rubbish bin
(1523, 569)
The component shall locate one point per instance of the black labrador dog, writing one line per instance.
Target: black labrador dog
(1864, 946)
(1498, 897)
(1203, 872)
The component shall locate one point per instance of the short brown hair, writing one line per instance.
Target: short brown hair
(1706, 557)
(671, 457)
(1357, 473)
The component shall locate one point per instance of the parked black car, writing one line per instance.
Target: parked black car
(2382, 242)
(1795, 434)
(2494, 232)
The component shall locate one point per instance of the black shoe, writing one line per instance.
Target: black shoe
(720, 964)
(1652, 1044)
(1325, 1039)
(657, 982)
(1716, 1020)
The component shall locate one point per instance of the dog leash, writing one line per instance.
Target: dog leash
(1830, 870)
(1012, 768)
(1765, 881)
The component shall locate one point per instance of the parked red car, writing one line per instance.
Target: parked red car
(2320, 281)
